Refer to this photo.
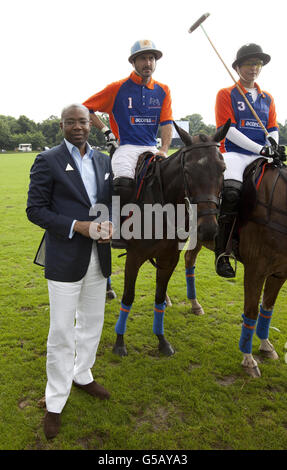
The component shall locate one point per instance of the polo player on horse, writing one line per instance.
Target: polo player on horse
(136, 105)
(245, 140)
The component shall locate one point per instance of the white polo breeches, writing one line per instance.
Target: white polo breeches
(236, 164)
(125, 159)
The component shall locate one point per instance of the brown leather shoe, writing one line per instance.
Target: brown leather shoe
(52, 423)
(95, 389)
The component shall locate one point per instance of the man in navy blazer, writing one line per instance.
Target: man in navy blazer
(67, 183)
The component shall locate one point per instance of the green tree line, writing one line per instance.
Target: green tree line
(45, 134)
(48, 133)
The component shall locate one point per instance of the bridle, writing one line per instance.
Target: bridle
(204, 197)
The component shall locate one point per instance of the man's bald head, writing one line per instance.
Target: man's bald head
(74, 106)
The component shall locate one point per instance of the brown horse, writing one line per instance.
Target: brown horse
(193, 173)
(263, 252)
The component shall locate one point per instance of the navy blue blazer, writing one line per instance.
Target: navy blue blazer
(56, 197)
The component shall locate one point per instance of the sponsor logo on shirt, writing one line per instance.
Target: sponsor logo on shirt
(249, 123)
(143, 120)
(154, 103)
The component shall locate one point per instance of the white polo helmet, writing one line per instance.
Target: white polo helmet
(142, 46)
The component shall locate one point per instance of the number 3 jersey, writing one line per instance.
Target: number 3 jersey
(135, 110)
(231, 104)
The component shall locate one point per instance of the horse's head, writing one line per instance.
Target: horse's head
(203, 167)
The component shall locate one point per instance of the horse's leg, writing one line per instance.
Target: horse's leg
(163, 275)
(271, 291)
(253, 283)
(190, 258)
(131, 272)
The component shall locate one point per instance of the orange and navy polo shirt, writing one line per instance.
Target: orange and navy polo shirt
(231, 104)
(135, 110)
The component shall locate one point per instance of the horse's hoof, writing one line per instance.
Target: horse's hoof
(110, 294)
(269, 354)
(120, 350)
(166, 349)
(253, 372)
(267, 350)
(197, 311)
(196, 308)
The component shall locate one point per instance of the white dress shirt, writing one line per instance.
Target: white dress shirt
(87, 172)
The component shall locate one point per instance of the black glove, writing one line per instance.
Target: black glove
(272, 142)
(279, 150)
(112, 142)
(267, 151)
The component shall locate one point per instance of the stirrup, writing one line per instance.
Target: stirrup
(226, 255)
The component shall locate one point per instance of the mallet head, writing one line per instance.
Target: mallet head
(198, 22)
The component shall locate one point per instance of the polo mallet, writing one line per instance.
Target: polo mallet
(195, 26)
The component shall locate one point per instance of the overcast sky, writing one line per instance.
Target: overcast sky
(57, 52)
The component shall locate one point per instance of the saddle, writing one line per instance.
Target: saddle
(148, 179)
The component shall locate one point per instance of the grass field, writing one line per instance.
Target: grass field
(199, 399)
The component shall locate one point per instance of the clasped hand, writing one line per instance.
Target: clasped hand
(102, 232)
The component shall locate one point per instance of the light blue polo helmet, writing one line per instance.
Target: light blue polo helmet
(142, 46)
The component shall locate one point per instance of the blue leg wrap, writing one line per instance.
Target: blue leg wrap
(159, 310)
(190, 282)
(247, 331)
(122, 320)
(264, 319)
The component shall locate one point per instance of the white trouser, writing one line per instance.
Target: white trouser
(236, 164)
(72, 345)
(125, 159)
